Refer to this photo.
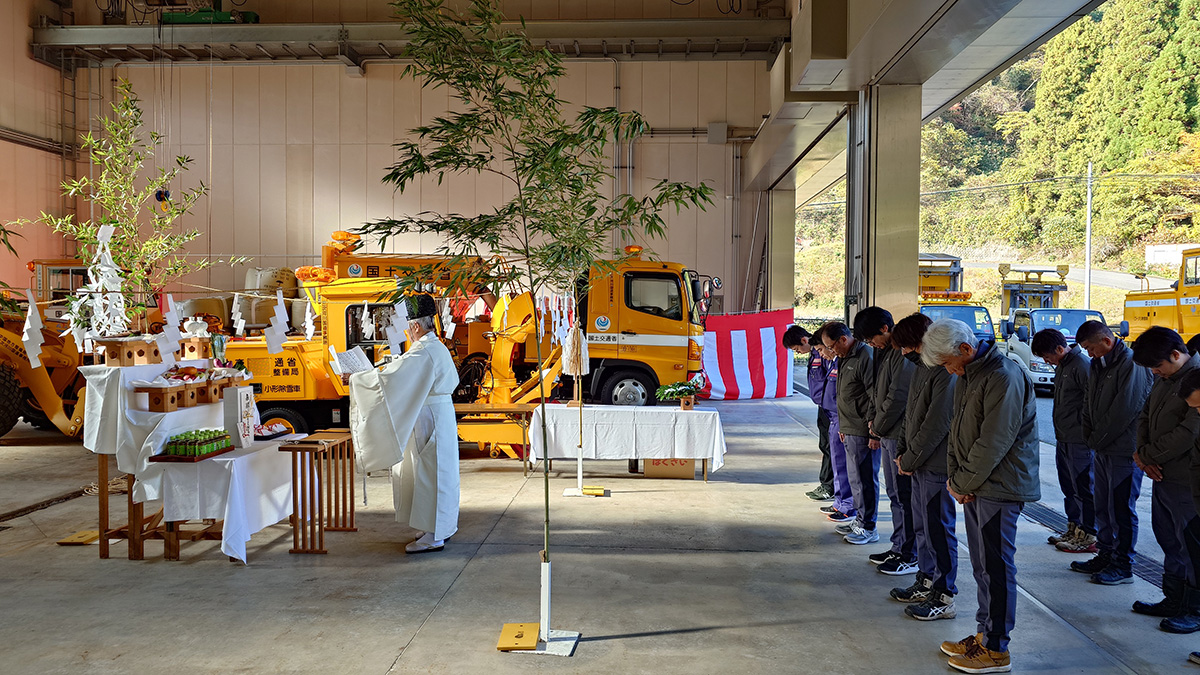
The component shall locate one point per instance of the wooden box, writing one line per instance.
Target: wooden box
(210, 391)
(195, 348)
(162, 399)
(670, 468)
(191, 394)
(130, 352)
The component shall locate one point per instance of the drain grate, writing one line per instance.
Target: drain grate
(1145, 568)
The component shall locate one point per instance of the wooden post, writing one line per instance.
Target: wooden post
(102, 496)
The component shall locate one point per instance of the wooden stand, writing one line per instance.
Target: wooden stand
(138, 528)
(322, 488)
(173, 532)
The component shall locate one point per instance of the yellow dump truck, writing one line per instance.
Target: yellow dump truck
(941, 294)
(1174, 307)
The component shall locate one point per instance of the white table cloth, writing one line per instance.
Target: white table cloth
(630, 432)
(249, 488)
(114, 423)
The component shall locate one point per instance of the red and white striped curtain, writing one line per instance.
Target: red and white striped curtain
(744, 356)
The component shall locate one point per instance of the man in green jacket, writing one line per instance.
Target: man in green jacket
(856, 380)
(893, 373)
(992, 465)
(1167, 432)
(1072, 457)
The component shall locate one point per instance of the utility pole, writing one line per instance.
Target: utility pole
(1087, 273)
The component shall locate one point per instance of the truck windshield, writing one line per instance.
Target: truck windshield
(977, 318)
(1066, 320)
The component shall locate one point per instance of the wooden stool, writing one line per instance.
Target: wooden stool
(322, 488)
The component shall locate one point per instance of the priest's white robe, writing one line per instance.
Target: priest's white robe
(402, 414)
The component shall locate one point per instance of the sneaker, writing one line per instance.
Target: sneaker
(959, 648)
(1082, 543)
(1092, 566)
(861, 535)
(1069, 534)
(1112, 576)
(980, 659)
(897, 567)
(1181, 625)
(821, 494)
(845, 528)
(1194, 657)
(880, 558)
(827, 509)
(839, 517)
(918, 592)
(936, 606)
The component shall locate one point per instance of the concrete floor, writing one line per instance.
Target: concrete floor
(742, 574)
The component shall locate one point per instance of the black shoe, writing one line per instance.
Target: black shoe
(880, 558)
(897, 567)
(1096, 564)
(918, 592)
(1113, 576)
(1170, 605)
(827, 509)
(821, 494)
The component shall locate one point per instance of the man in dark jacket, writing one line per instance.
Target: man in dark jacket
(1072, 457)
(1117, 391)
(1167, 432)
(1189, 389)
(856, 380)
(801, 342)
(893, 373)
(992, 469)
(926, 430)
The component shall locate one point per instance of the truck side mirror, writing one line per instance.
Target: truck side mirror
(1006, 328)
(1124, 329)
(1023, 333)
(706, 293)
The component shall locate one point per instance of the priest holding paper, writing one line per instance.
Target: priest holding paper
(402, 418)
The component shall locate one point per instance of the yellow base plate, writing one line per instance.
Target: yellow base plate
(518, 636)
(81, 538)
(593, 490)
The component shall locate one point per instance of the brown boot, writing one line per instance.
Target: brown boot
(959, 648)
(980, 659)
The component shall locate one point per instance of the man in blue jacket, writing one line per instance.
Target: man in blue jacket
(842, 508)
(800, 341)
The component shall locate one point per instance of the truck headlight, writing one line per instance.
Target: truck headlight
(1041, 367)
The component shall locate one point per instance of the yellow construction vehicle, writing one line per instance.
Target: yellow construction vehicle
(1174, 307)
(940, 282)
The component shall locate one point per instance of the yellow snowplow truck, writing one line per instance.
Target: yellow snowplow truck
(1175, 307)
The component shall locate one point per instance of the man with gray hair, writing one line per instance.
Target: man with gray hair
(992, 469)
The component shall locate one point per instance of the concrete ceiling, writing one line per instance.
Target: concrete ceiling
(950, 47)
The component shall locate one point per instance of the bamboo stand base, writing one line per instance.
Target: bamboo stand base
(136, 530)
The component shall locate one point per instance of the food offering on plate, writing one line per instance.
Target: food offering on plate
(269, 431)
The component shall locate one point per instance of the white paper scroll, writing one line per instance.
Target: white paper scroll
(171, 323)
(31, 337)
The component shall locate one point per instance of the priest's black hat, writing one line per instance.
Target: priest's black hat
(421, 305)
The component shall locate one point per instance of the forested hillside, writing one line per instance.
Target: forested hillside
(1004, 172)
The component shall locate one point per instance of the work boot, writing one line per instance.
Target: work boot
(1188, 620)
(917, 592)
(1170, 605)
(1081, 543)
(961, 647)
(1055, 538)
(1092, 566)
(980, 659)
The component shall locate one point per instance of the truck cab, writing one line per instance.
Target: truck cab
(1018, 331)
(955, 305)
(1175, 307)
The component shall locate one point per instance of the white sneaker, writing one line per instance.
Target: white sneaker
(847, 528)
(425, 544)
(859, 535)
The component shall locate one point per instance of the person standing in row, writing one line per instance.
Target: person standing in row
(893, 373)
(842, 508)
(856, 380)
(801, 342)
(1116, 392)
(926, 432)
(1072, 457)
(1166, 442)
(1189, 613)
(992, 470)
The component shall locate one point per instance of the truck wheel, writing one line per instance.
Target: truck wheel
(10, 399)
(628, 387)
(287, 417)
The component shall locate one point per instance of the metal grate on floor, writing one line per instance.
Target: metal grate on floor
(1145, 568)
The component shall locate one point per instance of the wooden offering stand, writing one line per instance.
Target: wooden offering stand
(322, 488)
(130, 351)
